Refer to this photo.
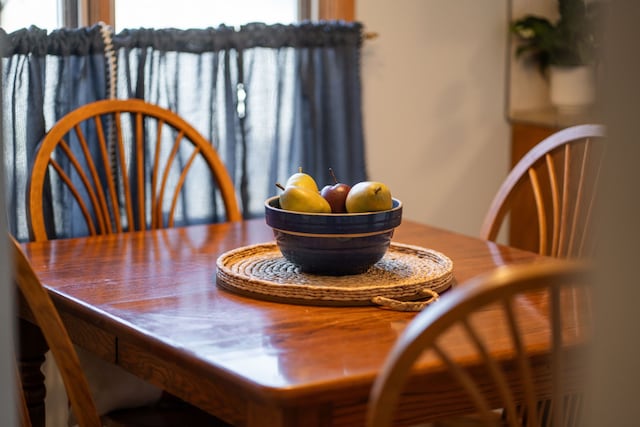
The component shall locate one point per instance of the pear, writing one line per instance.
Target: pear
(301, 179)
(368, 196)
(301, 199)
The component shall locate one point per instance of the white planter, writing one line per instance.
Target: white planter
(572, 88)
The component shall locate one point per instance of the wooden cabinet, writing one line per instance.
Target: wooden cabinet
(527, 129)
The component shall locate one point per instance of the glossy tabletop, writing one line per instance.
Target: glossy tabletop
(148, 301)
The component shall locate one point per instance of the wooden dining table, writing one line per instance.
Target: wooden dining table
(148, 302)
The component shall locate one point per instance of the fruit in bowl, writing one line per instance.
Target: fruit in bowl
(369, 196)
(336, 194)
(330, 243)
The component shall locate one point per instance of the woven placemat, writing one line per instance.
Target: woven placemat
(405, 273)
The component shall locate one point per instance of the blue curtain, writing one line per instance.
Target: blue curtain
(44, 76)
(270, 98)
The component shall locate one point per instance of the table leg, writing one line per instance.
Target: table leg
(32, 349)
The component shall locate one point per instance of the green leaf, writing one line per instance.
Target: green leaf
(572, 40)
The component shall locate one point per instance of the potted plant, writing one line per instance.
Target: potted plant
(564, 51)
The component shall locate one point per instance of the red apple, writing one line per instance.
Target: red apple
(336, 194)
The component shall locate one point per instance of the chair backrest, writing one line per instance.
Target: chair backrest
(563, 326)
(124, 163)
(560, 174)
(48, 320)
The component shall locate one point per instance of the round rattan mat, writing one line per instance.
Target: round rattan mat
(406, 272)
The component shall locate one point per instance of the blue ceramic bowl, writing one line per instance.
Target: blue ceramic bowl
(332, 244)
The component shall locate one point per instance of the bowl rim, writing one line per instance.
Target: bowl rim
(397, 206)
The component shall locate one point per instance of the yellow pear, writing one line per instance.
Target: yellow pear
(301, 179)
(368, 196)
(301, 199)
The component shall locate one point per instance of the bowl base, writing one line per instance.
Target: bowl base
(335, 256)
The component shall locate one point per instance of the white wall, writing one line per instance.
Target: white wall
(528, 89)
(434, 93)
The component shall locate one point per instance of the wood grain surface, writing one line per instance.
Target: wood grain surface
(148, 302)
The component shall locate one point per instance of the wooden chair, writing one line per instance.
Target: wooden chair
(559, 177)
(37, 305)
(460, 311)
(140, 184)
(46, 316)
(139, 187)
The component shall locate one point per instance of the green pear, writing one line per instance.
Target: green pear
(301, 199)
(369, 196)
(301, 179)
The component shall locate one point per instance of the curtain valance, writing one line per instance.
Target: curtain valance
(87, 40)
(305, 35)
(61, 42)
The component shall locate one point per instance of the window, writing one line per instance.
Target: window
(51, 14)
(209, 13)
(15, 14)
